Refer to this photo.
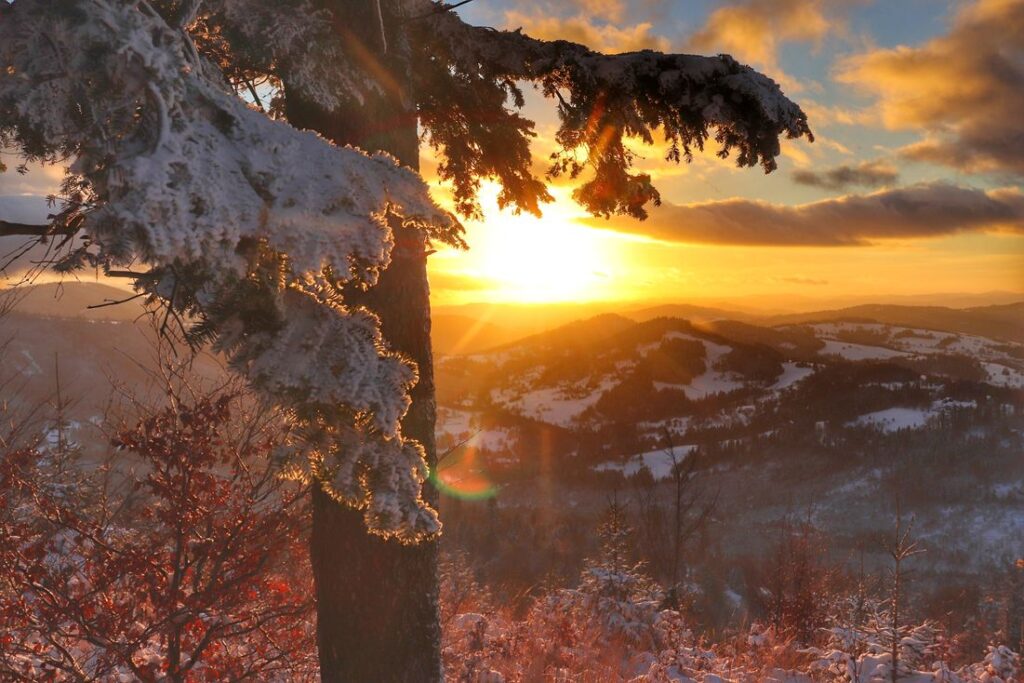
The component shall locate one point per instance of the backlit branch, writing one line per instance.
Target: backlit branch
(603, 98)
(8, 229)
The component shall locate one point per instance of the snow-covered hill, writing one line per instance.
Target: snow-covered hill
(668, 373)
(823, 416)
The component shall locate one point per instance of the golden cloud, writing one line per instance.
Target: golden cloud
(752, 31)
(583, 29)
(919, 211)
(965, 89)
(868, 174)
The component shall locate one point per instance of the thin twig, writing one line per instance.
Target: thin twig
(111, 302)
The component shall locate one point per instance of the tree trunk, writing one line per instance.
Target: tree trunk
(377, 601)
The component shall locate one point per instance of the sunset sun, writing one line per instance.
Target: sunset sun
(525, 259)
(545, 259)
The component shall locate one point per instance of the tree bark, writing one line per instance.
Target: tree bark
(377, 600)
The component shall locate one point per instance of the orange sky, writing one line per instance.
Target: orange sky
(913, 185)
(907, 111)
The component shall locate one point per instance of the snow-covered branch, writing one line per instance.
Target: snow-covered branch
(178, 172)
(602, 98)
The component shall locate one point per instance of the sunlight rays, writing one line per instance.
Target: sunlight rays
(526, 259)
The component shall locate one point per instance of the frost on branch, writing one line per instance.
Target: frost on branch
(200, 171)
(601, 98)
(323, 353)
(172, 169)
(286, 41)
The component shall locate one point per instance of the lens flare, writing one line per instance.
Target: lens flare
(459, 474)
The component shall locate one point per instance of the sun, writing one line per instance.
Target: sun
(525, 259)
(540, 260)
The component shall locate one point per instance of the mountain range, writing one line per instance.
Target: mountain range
(785, 412)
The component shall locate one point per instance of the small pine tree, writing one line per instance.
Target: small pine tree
(615, 590)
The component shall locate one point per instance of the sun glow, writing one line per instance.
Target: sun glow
(525, 259)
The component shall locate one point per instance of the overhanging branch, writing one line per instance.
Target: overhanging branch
(8, 229)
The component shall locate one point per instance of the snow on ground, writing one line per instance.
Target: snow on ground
(921, 341)
(493, 440)
(730, 417)
(894, 419)
(858, 482)
(1003, 376)
(910, 340)
(964, 344)
(973, 346)
(659, 462)
(554, 406)
(712, 381)
(496, 358)
(980, 530)
(858, 351)
(456, 423)
(644, 349)
(676, 426)
(1005, 491)
(460, 425)
(791, 374)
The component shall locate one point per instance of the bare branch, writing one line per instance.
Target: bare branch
(9, 229)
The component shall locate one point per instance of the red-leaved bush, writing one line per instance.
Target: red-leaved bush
(192, 570)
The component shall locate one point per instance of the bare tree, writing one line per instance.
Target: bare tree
(901, 548)
(664, 533)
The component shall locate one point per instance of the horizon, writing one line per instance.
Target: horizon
(756, 305)
(539, 315)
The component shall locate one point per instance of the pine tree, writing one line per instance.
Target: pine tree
(616, 590)
(305, 261)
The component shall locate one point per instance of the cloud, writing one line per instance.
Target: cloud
(823, 115)
(870, 174)
(801, 280)
(609, 11)
(583, 29)
(37, 179)
(753, 30)
(918, 211)
(965, 89)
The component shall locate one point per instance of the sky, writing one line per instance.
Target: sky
(912, 186)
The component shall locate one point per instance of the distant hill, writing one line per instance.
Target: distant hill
(696, 314)
(578, 334)
(1004, 322)
(464, 334)
(73, 300)
(98, 360)
(524, 320)
(798, 342)
(611, 370)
